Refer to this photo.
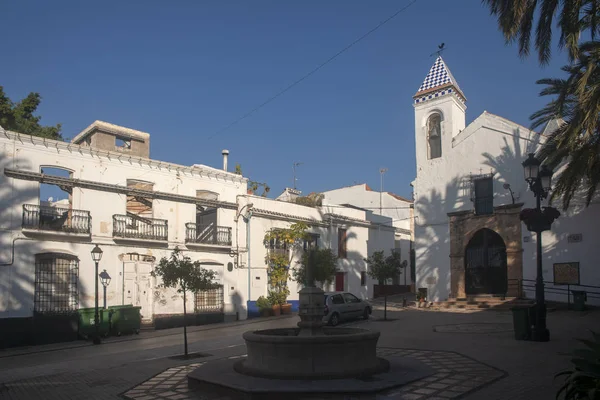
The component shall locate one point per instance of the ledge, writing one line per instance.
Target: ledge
(209, 246)
(157, 242)
(44, 232)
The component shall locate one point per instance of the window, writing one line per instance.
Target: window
(123, 143)
(337, 299)
(350, 298)
(434, 136)
(210, 300)
(484, 195)
(136, 205)
(278, 247)
(342, 243)
(56, 277)
(312, 242)
(363, 278)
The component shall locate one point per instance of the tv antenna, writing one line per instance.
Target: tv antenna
(381, 172)
(441, 48)
(294, 168)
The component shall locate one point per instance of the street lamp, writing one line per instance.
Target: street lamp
(96, 256)
(540, 182)
(105, 280)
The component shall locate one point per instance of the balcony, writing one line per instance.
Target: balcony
(56, 220)
(135, 227)
(207, 234)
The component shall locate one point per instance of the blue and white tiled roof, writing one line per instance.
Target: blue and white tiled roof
(439, 76)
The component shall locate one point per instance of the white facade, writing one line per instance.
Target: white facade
(494, 147)
(388, 205)
(45, 260)
(128, 260)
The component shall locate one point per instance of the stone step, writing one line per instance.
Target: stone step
(483, 304)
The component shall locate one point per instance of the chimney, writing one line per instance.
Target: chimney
(225, 155)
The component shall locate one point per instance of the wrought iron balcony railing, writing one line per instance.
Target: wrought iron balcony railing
(207, 234)
(138, 227)
(55, 219)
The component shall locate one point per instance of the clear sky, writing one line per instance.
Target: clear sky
(183, 70)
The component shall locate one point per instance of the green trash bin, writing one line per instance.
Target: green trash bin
(125, 319)
(579, 299)
(522, 321)
(87, 328)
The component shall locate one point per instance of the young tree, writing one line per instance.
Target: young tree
(289, 241)
(178, 271)
(19, 117)
(324, 267)
(382, 268)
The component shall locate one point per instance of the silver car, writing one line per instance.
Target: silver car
(343, 306)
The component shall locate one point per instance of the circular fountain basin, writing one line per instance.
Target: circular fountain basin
(339, 353)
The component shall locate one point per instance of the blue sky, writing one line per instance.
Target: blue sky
(183, 70)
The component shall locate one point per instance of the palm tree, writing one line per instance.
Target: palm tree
(577, 139)
(516, 20)
(577, 98)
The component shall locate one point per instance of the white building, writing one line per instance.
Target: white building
(138, 210)
(469, 191)
(389, 205)
(135, 208)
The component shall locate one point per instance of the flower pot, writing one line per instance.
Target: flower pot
(266, 312)
(276, 310)
(286, 308)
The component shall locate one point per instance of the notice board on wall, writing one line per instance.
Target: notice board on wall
(566, 273)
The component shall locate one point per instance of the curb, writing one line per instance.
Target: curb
(200, 328)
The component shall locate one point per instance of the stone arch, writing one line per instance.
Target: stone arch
(485, 263)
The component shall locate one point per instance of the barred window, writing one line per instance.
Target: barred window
(311, 242)
(56, 278)
(210, 300)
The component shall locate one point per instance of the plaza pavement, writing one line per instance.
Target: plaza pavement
(479, 348)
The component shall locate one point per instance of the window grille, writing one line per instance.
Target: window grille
(210, 300)
(56, 279)
(482, 193)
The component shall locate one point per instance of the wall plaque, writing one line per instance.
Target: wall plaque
(431, 280)
(566, 273)
(574, 238)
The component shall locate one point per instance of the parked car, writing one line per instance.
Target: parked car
(344, 306)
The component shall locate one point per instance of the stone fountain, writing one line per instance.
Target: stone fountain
(308, 361)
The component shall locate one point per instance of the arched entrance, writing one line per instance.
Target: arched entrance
(485, 264)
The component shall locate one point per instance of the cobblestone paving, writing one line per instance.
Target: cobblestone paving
(456, 375)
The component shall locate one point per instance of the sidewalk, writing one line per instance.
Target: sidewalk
(20, 351)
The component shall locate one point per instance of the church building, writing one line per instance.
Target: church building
(468, 193)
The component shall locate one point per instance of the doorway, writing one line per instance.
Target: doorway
(137, 288)
(339, 281)
(485, 264)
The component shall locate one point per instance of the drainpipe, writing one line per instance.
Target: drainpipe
(247, 220)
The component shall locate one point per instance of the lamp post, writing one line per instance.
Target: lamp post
(539, 180)
(96, 256)
(105, 280)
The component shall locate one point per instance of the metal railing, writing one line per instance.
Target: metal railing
(48, 218)
(210, 300)
(207, 234)
(526, 289)
(137, 227)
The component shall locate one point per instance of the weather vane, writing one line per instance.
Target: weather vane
(441, 48)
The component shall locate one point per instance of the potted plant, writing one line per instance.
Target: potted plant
(273, 299)
(539, 220)
(583, 380)
(264, 306)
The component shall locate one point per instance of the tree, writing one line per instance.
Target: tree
(282, 244)
(324, 267)
(577, 98)
(575, 17)
(577, 138)
(19, 117)
(382, 268)
(178, 271)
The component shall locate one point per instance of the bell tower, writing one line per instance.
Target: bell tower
(440, 108)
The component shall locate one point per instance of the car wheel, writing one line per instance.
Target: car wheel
(366, 313)
(334, 319)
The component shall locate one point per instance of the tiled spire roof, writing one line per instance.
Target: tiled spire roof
(438, 82)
